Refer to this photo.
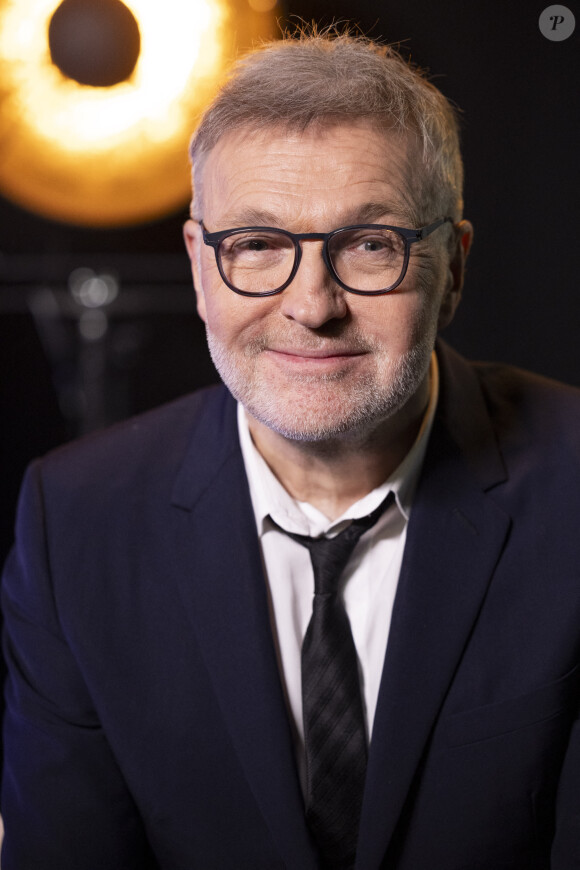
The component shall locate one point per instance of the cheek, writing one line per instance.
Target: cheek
(219, 319)
(234, 320)
(430, 283)
(396, 322)
(216, 302)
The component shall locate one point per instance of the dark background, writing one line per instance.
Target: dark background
(518, 93)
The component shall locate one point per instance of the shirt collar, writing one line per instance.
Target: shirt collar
(270, 498)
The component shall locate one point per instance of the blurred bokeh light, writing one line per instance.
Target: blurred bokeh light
(99, 155)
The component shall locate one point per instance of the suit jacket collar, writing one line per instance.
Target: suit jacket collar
(463, 414)
(454, 538)
(223, 588)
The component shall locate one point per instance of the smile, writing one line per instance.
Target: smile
(314, 359)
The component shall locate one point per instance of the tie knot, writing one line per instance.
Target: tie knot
(330, 555)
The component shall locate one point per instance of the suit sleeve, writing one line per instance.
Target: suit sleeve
(64, 801)
(566, 846)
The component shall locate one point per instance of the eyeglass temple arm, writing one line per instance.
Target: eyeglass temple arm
(426, 231)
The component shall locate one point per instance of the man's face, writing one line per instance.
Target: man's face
(316, 362)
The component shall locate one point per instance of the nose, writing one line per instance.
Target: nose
(313, 298)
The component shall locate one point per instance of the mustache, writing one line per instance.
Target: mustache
(347, 339)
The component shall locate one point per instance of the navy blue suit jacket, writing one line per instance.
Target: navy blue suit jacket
(147, 725)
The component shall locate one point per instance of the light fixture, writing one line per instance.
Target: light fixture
(102, 141)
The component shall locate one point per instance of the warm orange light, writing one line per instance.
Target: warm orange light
(116, 155)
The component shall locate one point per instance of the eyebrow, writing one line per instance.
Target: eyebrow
(370, 212)
(373, 211)
(253, 217)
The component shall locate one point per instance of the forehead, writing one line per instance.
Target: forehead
(320, 174)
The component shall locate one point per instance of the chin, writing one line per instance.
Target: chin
(322, 416)
(328, 407)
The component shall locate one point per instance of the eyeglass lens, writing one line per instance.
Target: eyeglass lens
(363, 259)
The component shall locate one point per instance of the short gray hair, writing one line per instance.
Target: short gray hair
(320, 79)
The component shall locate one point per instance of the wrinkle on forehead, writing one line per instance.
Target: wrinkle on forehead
(288, 175)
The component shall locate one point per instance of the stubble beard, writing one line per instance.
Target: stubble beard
(323, 407)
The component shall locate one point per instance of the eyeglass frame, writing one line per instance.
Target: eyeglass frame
(409, 236)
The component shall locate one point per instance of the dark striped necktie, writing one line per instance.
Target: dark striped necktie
(334, 722)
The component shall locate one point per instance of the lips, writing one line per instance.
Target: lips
(328, 353)
(314, 362)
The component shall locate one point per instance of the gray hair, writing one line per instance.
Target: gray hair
(320, 79)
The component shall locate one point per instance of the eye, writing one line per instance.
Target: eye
(376, 242)
(373, 245)
(255, 244)
(246, 244)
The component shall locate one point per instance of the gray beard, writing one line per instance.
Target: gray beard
(369, 401)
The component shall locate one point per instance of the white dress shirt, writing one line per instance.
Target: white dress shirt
(369, 580)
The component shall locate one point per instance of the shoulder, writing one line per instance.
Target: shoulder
(547, 411)
(507, 389)
(529, 415)
(147, 448)
(518, 385)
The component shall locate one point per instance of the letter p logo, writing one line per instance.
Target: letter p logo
(557, 23)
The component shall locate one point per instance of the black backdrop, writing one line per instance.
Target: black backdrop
(518, 93)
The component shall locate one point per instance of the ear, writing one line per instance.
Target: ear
(193, 243)
(456, 274)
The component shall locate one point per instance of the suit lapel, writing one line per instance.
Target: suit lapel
(455, 536)
(224, 591)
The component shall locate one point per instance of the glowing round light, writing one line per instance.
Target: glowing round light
(112, 155)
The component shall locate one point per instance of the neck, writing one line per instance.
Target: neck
(332, 475)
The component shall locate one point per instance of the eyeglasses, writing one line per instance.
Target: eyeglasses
(368, 259)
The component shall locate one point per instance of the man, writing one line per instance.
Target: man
(176, 698)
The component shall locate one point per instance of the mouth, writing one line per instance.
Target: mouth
(321, 353)
(328, 358)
